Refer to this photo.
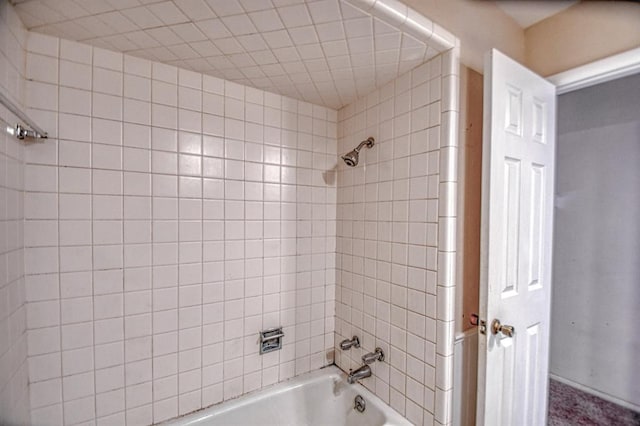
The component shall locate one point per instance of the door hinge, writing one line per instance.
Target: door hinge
(482, 324)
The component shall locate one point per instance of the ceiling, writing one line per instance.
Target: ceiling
(322, 51)
(527, 13)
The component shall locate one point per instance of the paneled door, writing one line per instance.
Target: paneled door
(516, 243)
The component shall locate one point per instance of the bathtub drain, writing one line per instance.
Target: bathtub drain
(359, 404)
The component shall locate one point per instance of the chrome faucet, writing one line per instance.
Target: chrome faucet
(360, 373)
(346, 344)
(365, 370)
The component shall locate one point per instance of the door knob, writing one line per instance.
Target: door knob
(507, 330)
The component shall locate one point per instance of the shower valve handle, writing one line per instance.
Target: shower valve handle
(372, 357)
(346, 344)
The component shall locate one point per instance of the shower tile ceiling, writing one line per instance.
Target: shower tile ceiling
(325, 51)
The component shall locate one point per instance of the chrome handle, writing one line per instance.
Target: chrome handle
(346, 344)
(372, 357)
(507, 330)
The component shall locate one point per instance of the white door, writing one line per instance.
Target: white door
(516, 242)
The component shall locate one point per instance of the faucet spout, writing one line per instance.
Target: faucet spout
(360, 373)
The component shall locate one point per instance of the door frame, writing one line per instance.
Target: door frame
(600, 71)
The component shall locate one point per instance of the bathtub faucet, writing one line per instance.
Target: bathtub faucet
(360, 373)
(365, 370)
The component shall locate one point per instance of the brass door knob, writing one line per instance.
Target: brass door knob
(507, 330)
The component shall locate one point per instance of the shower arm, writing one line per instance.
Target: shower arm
(368, 142)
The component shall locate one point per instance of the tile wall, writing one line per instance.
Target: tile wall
(396, 238)
(328, 52)
(14, 397)
(170, 217)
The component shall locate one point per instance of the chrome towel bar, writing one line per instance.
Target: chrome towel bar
(19, 131)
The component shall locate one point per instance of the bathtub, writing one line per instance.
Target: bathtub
(321, 397)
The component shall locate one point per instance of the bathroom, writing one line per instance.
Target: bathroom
(191, 198)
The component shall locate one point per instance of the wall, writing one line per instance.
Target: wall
(162, 234)
(595, 342)
(583, 33)
(14, 396)
(396, 238)
(479, 25)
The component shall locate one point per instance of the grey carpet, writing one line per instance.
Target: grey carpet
(569, 406)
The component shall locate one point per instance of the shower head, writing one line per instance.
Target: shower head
(351, 158)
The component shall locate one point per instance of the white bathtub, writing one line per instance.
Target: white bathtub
(321, 397)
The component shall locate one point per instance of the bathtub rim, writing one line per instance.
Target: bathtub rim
(327, 372)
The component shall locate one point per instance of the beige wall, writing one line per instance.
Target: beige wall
(581, 34)
(480, 25)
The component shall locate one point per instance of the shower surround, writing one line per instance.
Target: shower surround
(172, 215)
(396, 238)
(169, 218)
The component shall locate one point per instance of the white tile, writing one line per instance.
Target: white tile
(44, 367)
(42, 68)
(43, 340)
(107, 81)
(51, 414)
(77, 335)
(75, 75)
(231, 27)
(231, 7)
(78, 386)
(41, 287)
(74, 233)
(195, 9)
(45, 393)
(107, 106)
(76, 310)
(166, 73)
(167, 12)
(106, 157)
(79, 410)
(107, 59)
(266, 20)
(42, 44)
(289, 150)
(76, 52)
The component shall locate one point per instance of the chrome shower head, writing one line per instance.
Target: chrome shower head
(351, 158)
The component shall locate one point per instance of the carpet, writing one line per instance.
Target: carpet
(569, 406)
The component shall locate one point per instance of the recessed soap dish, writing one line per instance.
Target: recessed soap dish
(271, 340)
